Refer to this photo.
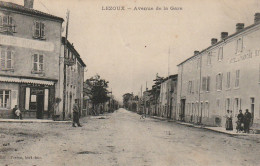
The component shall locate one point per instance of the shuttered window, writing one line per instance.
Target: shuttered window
(5, 99)
(39, 30)
(6, 59)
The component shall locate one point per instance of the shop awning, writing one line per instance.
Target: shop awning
(25, 80)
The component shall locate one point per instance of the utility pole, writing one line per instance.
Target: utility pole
(64, 69)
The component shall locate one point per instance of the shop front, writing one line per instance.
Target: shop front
(34, 97)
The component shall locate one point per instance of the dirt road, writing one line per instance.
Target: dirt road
(122, 139)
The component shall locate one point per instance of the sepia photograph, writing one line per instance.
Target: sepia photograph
(129, 82)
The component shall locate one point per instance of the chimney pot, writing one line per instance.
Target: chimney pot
(214, 41)
(28, 3)
(224, 35)
(196, 52)
(257, 17)
(239, 26)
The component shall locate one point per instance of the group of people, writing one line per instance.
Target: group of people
(243, 121)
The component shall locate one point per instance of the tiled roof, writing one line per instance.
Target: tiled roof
(20, 8)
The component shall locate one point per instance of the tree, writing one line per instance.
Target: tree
(96, 89)
(126, 98)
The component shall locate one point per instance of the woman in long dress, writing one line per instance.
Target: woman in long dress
(229, 125)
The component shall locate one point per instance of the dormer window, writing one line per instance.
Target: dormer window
(39, 30)
(7, 24)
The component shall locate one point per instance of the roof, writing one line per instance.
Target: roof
(222, 41)
(74, 51)
(20, 8)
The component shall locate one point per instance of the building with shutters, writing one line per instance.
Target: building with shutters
(224, 76)
(72, 78)
(30, 49)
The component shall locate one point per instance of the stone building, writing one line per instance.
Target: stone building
(30, 44)
(72, 81)
(224, 76)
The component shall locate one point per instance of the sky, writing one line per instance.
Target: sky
(129, 47)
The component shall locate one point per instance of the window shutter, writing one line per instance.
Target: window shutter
(42, 30)
(1, 22)
(41, 63)
(35, 62)
(9, 59)
(12, 59)
(208, 84)
(2, 59)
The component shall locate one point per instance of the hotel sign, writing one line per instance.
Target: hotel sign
(26, 43)
(248, 55)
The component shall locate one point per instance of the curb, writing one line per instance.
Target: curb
(200, 127)
(31, 121)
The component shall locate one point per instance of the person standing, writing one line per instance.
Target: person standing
(229, 125)
(76, 114)
(240, 121)
(247, 120)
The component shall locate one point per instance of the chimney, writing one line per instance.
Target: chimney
(214, 41)
(28, 3)
(196, 52)
(257, 17)
(239, 26)
(224, 35)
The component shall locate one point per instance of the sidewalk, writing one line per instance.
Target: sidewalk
(31, 121)
(215, 129)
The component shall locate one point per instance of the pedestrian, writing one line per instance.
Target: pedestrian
(247, 121)
(17, 113)
(76, 114)
(229, 125)
(240, 121)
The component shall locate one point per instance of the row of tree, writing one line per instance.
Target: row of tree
(96, 92)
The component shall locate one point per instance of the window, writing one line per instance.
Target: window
(6, 59)
(190, 87)
(237, 78)
(5, 99)
(228, 104)
(220, 53)
(205, 84)
(207, 109)
(239, 46)
(228, 80)
(237, 105)
(38, 63)
(198, 63)
(209, 58)
(259, 74)
(219, 81)
(39, 30)
(7, 24)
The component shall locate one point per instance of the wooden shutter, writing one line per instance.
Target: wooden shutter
(8, 59)
(2, 65)
(42, 29)
(41, 63)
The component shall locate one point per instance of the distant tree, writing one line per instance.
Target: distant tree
(126, 98)
(97, 90)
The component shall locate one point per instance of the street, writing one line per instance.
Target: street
(122, 138)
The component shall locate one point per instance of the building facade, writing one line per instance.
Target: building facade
(72, 77)
(224, 76)
(30, 49)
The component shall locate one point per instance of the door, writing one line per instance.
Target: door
(252, 108)
(39, 101)
(182, 109)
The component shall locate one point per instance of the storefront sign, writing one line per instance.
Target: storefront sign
(26, 43)
(248, 55)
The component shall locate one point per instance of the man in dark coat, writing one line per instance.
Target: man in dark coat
(240, 121)
(76, 114)
(247, 120)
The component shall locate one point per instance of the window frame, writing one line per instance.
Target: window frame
(38, 63)
(6, 59)
(8, 105)
(40, 29)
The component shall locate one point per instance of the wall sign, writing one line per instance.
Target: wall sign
(26, 43)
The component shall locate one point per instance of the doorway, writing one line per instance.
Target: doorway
(182, 113)
(39, 101)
